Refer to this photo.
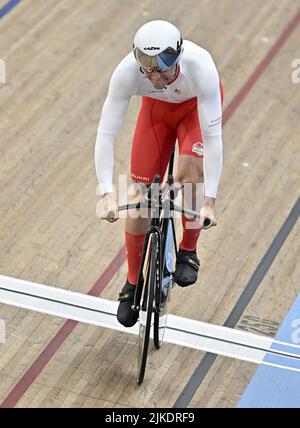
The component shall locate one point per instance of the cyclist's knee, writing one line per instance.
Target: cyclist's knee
(194, 177)
(190, 170)
(136, 192)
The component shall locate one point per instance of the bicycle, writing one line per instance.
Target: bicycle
(156, 272)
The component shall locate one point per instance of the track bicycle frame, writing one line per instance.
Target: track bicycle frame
(155, 253)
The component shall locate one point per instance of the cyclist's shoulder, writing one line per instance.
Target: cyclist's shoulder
(126, 70)
(128, 62)
(195, 56)
(125, 78)
(199, 69)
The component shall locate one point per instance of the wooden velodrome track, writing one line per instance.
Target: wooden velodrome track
(59, 58)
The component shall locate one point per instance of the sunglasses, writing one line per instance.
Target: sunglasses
(155, 69)
(159, 63)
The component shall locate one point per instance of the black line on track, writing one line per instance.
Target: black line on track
(244, 345)
(206, 336)
(61, 302)
(207, 361)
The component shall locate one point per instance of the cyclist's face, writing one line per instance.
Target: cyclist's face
(159, 79)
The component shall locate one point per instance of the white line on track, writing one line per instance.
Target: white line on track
(181, 331)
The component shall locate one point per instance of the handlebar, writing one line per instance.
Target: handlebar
(165, 200)
(177, 208)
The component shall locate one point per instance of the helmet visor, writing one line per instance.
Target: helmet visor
(162, 61)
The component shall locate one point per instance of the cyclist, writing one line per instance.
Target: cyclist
(181, 99)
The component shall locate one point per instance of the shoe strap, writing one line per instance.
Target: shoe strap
(124, 297)
(189, 259)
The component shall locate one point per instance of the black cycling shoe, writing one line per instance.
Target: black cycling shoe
(187, 267)
(125, 315)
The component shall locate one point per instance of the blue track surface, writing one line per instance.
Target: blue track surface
(8, 7)
(275, 387)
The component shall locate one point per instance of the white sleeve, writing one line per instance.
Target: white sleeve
(112, 116)
(206, 84)
(121, 88)
(213, 160)
(104, 161)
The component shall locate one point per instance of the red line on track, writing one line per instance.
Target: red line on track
(237, 100)
(61, 336)
(58, 340)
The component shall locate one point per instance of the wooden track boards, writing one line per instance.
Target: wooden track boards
(60, 56)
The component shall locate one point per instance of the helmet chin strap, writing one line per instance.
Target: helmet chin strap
(176, 68)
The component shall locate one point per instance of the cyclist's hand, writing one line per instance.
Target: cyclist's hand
(207, 217)
(177, 187)
(108, 209)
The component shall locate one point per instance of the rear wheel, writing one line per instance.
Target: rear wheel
(162, 296)
(160, 317)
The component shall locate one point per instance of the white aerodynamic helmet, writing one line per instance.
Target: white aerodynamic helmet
(157, 44)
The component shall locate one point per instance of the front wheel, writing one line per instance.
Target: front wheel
(147, 308)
